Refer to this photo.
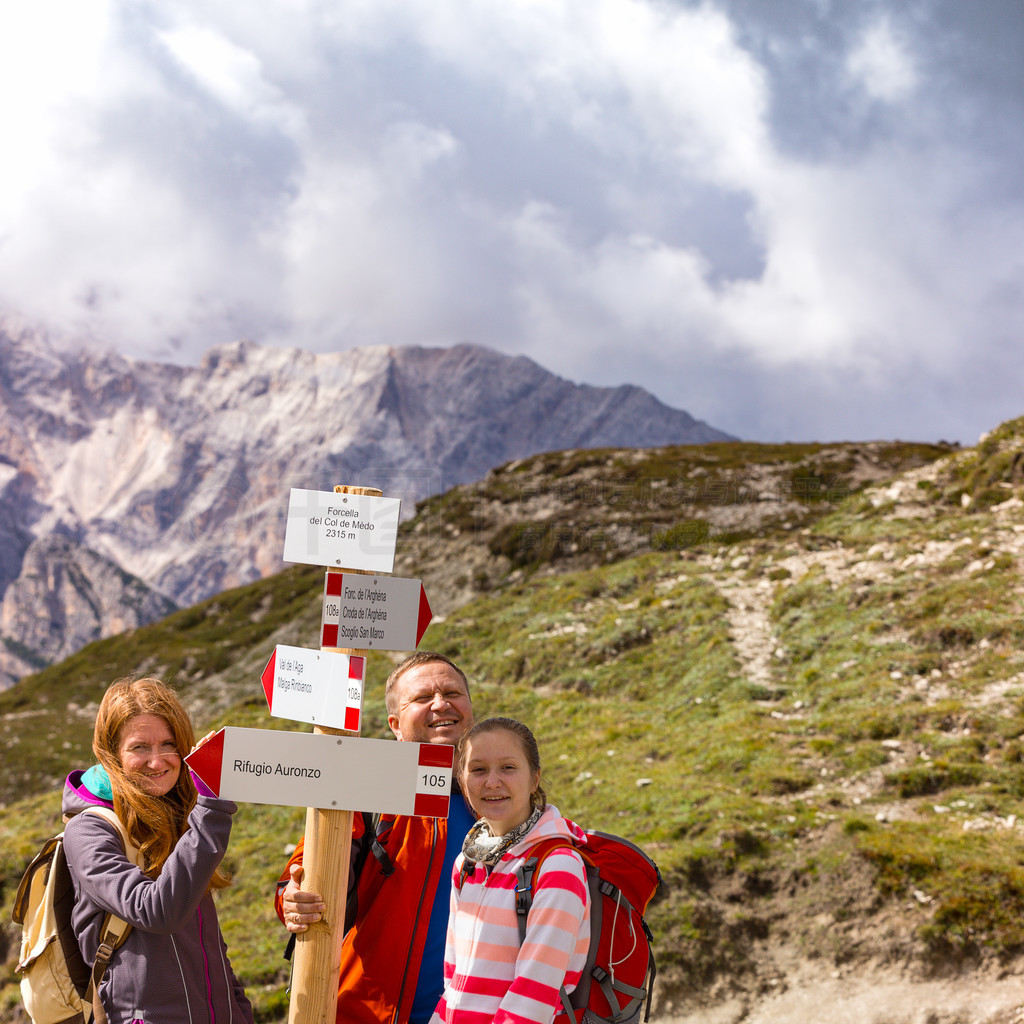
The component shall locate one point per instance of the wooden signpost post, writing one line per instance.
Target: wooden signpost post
(353, 533)
(328, 840)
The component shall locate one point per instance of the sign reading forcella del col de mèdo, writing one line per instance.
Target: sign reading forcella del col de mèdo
(350, 531)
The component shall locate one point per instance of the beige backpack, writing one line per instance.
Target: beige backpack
(57, 985)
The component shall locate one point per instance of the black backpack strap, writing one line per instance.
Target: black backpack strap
(376, 826)
(524, 894)
(363, 850)
(653, 971)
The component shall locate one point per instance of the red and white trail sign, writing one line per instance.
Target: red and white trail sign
(301, 769)
(385, 613)
(320, 687)
(351, 531)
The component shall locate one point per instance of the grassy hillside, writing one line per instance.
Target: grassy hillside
(791, 673)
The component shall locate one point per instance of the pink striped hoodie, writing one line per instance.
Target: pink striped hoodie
(489, 978)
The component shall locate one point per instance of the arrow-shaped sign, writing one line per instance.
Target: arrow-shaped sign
(300, 769)
(320, 687)
(386, 613)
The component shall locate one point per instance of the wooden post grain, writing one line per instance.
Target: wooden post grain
(325, 859)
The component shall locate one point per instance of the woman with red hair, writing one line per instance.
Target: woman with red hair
(173, 967)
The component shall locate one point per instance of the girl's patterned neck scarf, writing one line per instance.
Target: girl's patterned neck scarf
(484, 848)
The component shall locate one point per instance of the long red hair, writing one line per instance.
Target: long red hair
(155, 823)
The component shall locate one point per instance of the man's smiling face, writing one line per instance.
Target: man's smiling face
(433, 705)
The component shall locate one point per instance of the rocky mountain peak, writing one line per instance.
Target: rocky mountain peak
(174, 479)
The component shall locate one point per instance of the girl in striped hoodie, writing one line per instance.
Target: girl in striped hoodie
(490, 978)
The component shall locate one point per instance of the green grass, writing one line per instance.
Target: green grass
(744, 791)
(975, 881)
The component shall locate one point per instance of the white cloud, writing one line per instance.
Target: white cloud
(572, 179)
(51, 61)
(882, 63)
(234, 76)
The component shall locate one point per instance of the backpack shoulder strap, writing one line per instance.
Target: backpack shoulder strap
(373, 830)
(110, 815)
(368, 838)
(41, 862)
(527, 874)
(527, 878)
(114, 930)
(379, 829)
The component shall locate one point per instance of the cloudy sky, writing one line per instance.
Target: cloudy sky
(796, 219)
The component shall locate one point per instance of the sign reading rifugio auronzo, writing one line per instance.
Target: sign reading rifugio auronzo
(301, 769)
(350, 531)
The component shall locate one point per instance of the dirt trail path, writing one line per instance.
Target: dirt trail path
(749, 624)
(873, 997)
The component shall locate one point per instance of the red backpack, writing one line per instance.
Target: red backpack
(619, 974)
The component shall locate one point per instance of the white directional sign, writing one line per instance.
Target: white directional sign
(320, 687)
(387, 613)
(300, 769)
(353, 531)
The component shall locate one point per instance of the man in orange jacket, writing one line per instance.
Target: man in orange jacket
(392, 956)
